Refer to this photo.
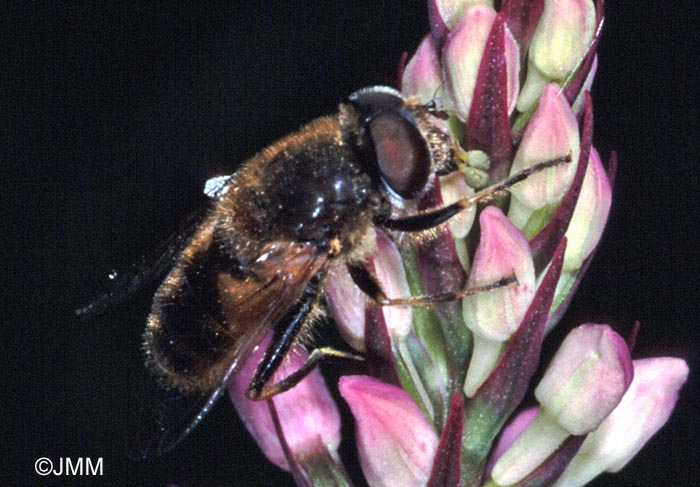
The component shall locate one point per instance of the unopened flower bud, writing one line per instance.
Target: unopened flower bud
(563, 36)
(590, 215)
(493, 316)
(347, 304)
(643, 410)
(451, 10)
(422, 77)
(552, 133)
(391, 277)
(453, 187)
(462, 56)
(584, 383)
(558, 45)
(586, 379)
(396, 443)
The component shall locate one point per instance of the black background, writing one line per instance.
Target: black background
(112, 117)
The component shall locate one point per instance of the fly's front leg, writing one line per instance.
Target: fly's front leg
(433, 218)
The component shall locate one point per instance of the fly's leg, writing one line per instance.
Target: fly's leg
(433, 218)
(286, 333)
(368, 284)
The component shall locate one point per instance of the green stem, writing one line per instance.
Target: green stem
(326, 470)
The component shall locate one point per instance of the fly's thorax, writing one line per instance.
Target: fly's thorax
(314, 195)
(309, 186)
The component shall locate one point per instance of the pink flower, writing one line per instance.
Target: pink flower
(422, 77)
(560, 42)
(584, 382)
(590, 215)
(494, 316)
(462, 57)
(643, 410)
(552, 132)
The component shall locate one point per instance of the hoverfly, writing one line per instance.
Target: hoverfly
(259, 259)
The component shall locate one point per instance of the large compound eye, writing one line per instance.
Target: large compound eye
(402, 153)
(375, 99)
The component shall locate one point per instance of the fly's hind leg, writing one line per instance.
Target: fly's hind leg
(317, 356)
(293, 322)
(286, 333)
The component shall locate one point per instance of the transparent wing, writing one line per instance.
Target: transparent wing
(148, 271)
(256, 301)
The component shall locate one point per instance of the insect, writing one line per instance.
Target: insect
(259, 261)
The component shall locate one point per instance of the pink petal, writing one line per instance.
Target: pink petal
(650, 401)
(453, 187)
(307, 413)
(502, 250)
(585, 381)
(462, 54)
(347, 305)
(562, 36)
(391, 276)
(643, 410)
(552, 133)
(422, 77)
(590, 216)
(396, 442)
(546, 240)
(512, 431)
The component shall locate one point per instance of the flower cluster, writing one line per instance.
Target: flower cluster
(440, 404)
